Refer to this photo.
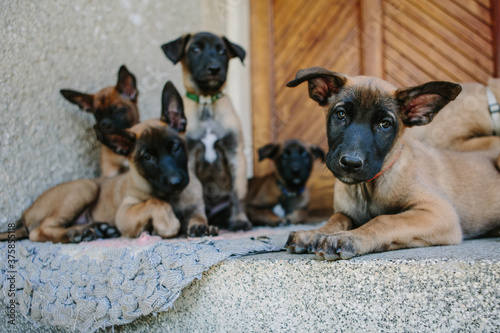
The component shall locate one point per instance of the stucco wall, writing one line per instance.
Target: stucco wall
(47, 45)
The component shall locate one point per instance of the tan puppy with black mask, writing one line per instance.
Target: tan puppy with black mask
(116, 104)
(214, 136)
(392, 191)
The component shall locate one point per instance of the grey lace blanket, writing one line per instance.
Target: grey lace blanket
(97, 284)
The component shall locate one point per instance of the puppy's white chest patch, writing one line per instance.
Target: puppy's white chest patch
(208, 141)
(279, 211)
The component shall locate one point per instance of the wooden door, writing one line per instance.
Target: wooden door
(406, 42)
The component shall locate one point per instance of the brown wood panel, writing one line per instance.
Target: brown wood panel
(419, 30)
(474, 8)
(407, 8)
(261, 21)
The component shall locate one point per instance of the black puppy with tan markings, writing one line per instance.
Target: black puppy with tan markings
(392, 191)
(118, 105)
(281, 198)
(152, 196)
(214, 136)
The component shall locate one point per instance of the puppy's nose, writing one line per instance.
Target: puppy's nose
(214, 69)
(350, 163)
(174, 181)
(295, 168)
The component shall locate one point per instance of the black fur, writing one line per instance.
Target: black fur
(207, 58)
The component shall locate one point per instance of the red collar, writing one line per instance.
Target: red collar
(387, 168)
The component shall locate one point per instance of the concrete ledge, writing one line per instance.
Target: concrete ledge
(452, 288)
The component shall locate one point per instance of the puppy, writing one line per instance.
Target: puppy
(116, 104)
(281, 197)
(392, 191)
(156, 194)
(214, 136)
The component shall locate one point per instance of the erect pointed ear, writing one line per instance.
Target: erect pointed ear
(127, 85)
(268, 151)
(175, 50)
(84, 101)
(121, 142)
(420, 104)
(317, 152)
(322, 83)
(234, 49)
(172, 108)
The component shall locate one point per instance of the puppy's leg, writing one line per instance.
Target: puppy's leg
(302, 241)
(261, 216)
(421, 226)
(197, 226)
(134, 216)
(297, 216)
(49, 215)
(239, 219)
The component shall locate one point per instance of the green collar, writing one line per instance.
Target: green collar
(204, 99)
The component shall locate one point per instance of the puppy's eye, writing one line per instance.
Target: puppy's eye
(222, 51)
(120, 110)
(305, 154)
(341, 114)
(176, 147)
(385, 124)
(148, 157)
(196, 50)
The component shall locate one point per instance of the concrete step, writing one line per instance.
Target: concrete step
(436, 289)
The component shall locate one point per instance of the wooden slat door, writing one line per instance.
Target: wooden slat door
(406, 42)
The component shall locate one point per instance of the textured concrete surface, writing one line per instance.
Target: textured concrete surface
(437, 289)
(52, 44)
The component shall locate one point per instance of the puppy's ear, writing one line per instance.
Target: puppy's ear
(268, 151)
(84, 101)
(175, 50)
(234, 49)
(420, 104)
(317, 152)
(121, 142)
(172, 108)
(127, 84)
(322, 83)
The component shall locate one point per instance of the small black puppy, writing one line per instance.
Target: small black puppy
(282, 197)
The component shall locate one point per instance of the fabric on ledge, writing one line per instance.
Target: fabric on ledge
(92, 285)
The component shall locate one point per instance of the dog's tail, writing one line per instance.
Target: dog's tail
(16, 231)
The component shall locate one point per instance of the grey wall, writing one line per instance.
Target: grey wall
(47, 45)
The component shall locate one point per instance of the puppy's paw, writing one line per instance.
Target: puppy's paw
(300, 241)
(199, 230)
(239, 224)
(340, 245)
(105, 230)
(82, 235)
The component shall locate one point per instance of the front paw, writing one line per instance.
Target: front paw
(300, 241)
(82, 235)
(239, 224)
(340, 245)
(199, 230)
(105, 230)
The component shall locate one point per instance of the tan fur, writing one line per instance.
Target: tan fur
(464, 124)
